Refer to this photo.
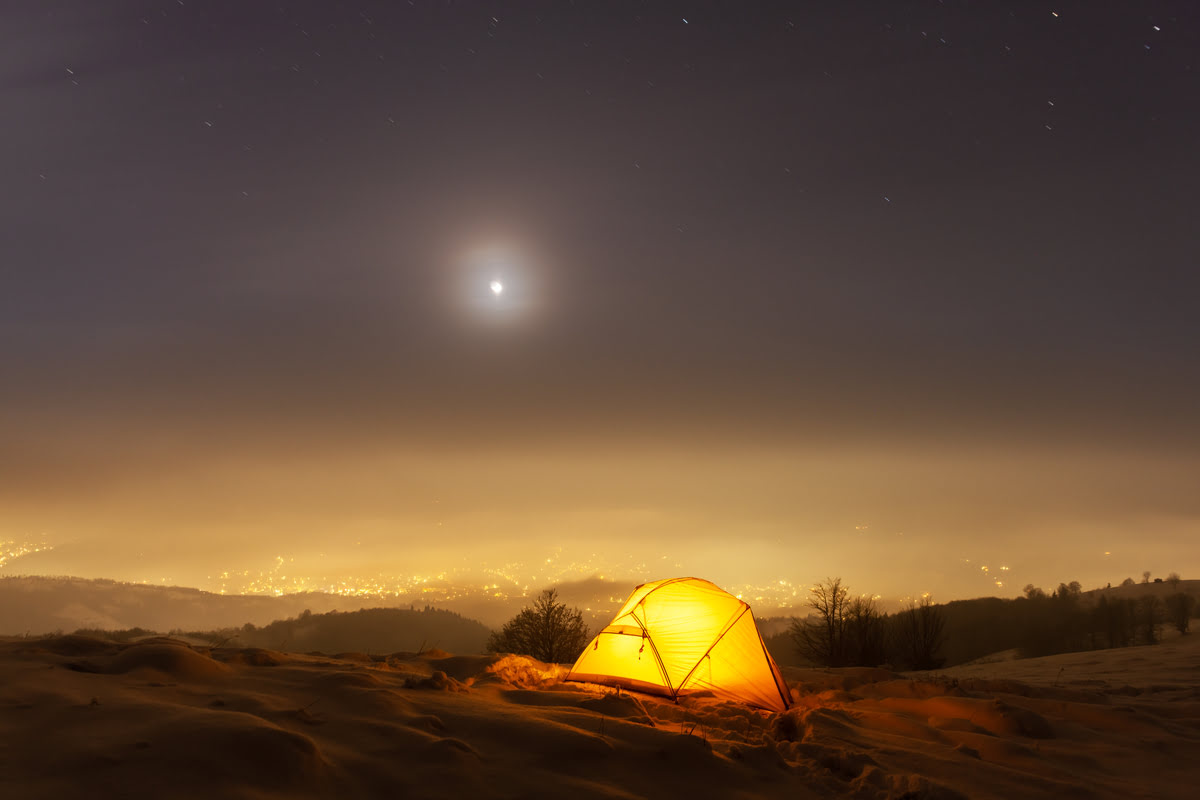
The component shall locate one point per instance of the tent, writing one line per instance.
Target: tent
(682, 635)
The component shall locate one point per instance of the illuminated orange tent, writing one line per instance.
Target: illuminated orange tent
(683, 635)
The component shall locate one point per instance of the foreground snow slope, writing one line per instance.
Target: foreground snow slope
(81, 717)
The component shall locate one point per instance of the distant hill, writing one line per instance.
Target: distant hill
(1157, 587)
(37, 605)
(300, 622)
(987, 625)
(370, 630)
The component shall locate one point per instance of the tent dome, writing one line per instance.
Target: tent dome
(682, 635)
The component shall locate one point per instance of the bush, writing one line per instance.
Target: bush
(547, 631)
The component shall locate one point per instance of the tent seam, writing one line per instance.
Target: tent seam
(776, 675)
(729, 625)
(662, 668)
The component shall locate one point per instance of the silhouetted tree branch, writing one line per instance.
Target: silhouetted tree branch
(920, 633)
(822, 637)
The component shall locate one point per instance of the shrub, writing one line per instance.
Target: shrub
(547, 631)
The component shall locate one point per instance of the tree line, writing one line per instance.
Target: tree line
(851, 631)
(1064, 621)
(845, 630)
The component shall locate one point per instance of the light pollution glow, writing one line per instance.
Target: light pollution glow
(246, 307)
(566, 533)
(510, 583)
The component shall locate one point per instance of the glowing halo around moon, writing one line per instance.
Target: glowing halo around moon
(498, 285)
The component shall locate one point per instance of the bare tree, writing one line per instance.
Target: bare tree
(1146, 576)
(1173, 579)
(1114, 621)
(821, 637)
(547, 630)
(920, 634)
(866, 640)
(1150, 614)
(1179, 610)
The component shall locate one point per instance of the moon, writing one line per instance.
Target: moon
(497, 288)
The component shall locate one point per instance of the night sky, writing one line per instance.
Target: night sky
(886, 290)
